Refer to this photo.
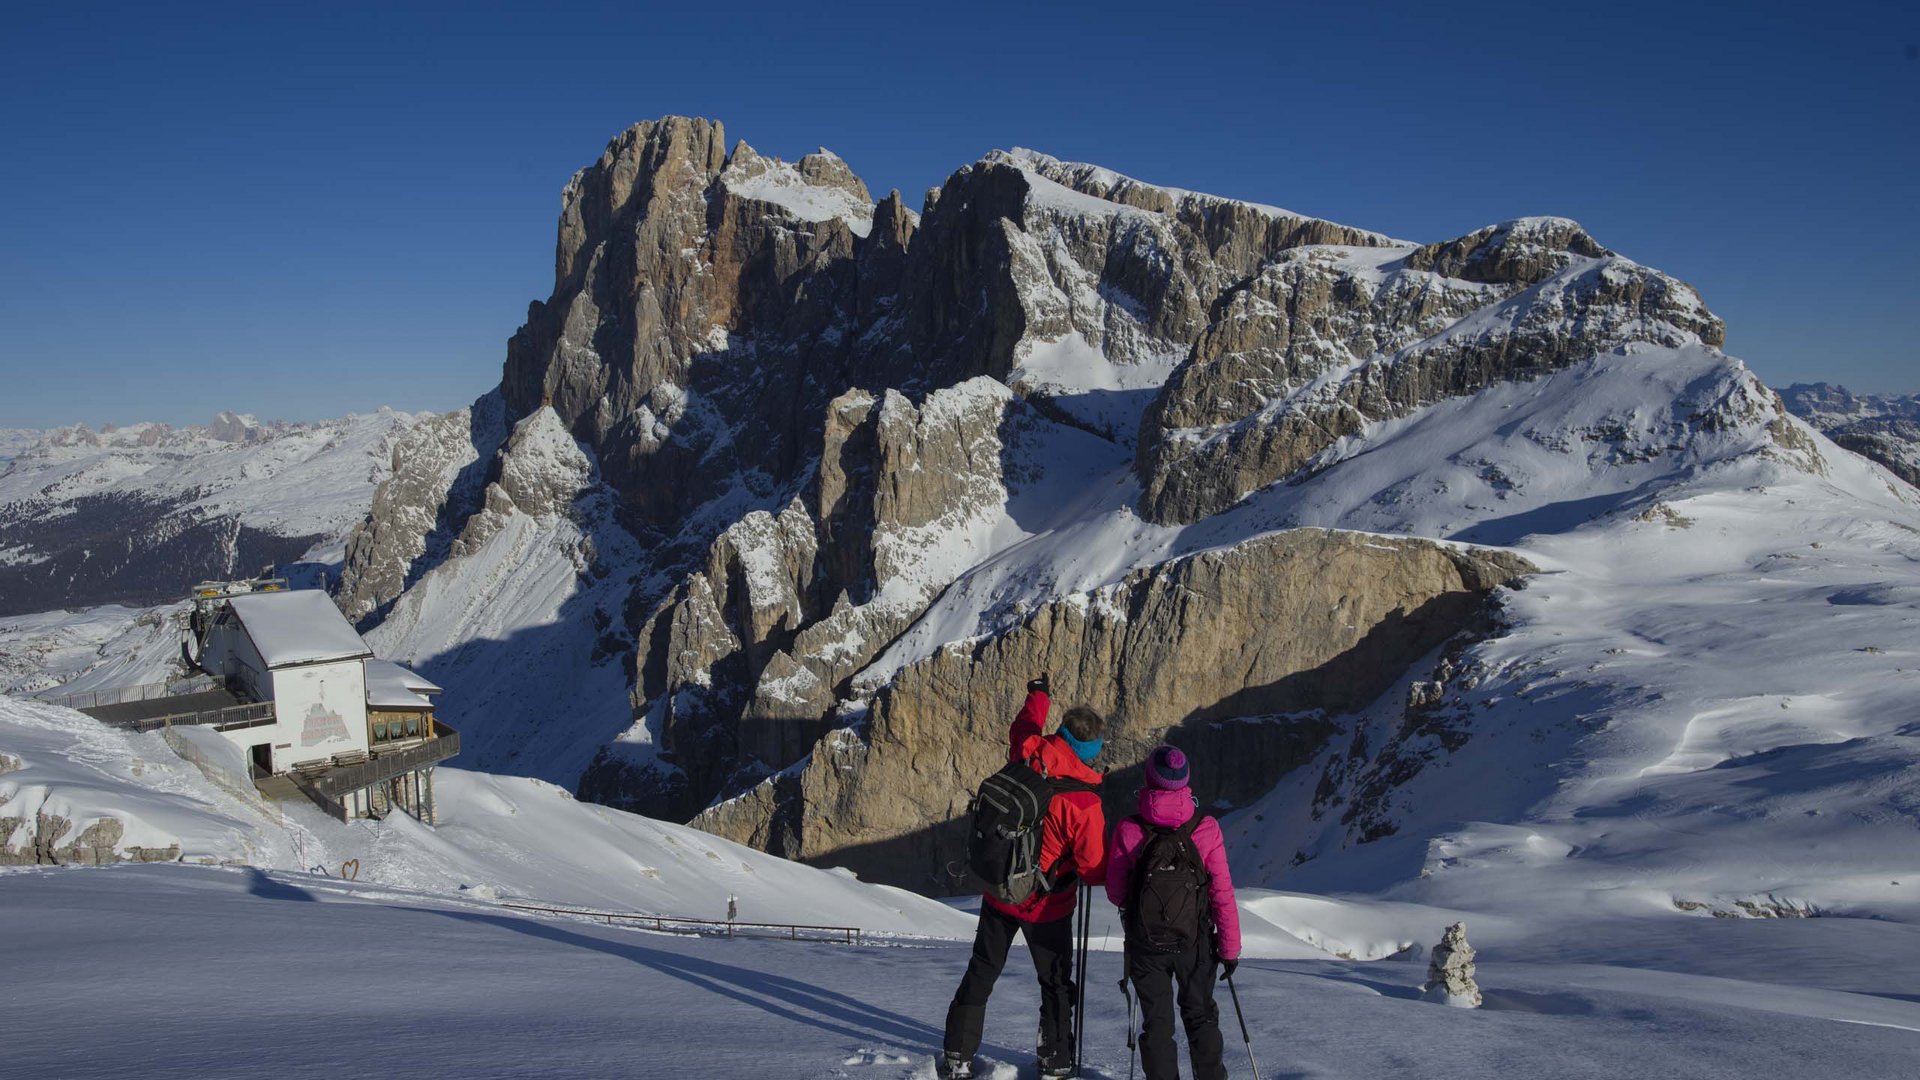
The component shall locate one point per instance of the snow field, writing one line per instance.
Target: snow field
(175, 964)
(500, 837)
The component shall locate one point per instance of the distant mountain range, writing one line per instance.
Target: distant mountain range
(138, 514)
(1884, 428)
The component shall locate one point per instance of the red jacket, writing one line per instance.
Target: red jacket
(1171, 809)
(1076, 826)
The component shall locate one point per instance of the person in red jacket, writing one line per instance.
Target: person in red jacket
(1166, 803)
(1073, 850)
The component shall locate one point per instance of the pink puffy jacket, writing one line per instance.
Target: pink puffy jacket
(1171, 809)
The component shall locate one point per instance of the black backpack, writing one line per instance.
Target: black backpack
(1003, 839)
(1167, 908)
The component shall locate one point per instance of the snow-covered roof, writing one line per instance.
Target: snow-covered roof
(390, 686)
(298, 627)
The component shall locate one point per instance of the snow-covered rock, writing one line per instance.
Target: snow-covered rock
(520, 620)
(437, 481)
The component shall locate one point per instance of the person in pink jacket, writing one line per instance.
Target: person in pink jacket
(1180, 917)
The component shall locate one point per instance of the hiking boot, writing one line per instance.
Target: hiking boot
(954, 1067)
(1056, 1064)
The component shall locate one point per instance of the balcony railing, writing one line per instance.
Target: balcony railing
(122, 695)
(330, 786)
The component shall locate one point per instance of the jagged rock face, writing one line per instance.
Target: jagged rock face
(695, 293)
(1324, 342)
(1170, 253)
(751, 654)
(1232, 654)
(708, 305)
(1893, 443)
(438, 482)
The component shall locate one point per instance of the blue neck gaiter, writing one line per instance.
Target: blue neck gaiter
(1085, 751)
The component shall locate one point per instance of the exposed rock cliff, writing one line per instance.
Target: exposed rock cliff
(1237, 654)
(749, 656)
(437, 480)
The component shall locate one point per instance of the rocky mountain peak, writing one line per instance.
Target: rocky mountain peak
(824, 168)
(878, 467)
(1518, 252)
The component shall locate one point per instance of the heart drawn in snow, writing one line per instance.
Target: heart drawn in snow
(350, 869)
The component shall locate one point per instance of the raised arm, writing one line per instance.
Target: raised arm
(1023, 738)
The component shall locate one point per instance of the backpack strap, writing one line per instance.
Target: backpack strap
(1184, 831)
(1064, 786)
(1139, 873)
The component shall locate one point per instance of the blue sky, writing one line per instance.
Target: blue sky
(300, 212)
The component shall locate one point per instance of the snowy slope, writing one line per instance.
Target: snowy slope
(499, 837)
(520, 628)
(433, 987)
(91, 649)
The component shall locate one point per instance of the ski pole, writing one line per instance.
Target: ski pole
(1080, 974)
(1243, 1027)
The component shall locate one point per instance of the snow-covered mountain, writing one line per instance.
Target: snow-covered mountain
(1480, 583)
(137, 514)
(1884, 428)
(782, 501)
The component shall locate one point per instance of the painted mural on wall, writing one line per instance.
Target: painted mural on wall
(323, 725)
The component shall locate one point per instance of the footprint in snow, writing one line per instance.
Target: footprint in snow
(877, 1057)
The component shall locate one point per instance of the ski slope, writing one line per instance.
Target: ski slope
(195, 972)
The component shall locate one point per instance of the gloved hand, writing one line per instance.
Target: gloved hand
(1041, 684)
(1227, 968)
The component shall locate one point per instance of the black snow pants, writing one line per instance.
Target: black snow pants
(1154, 976)
(1051, 945)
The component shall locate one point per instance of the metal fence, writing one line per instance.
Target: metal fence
(231, 718)
(122, 695)
(671, 924)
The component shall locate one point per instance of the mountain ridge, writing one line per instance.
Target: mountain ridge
(819, 459)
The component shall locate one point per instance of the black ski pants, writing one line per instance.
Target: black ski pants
(1051, 945)
(1154, 977)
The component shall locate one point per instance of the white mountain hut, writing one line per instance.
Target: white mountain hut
(355, 733)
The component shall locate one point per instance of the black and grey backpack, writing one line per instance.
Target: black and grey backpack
(1167, 908)
(1004, 831)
